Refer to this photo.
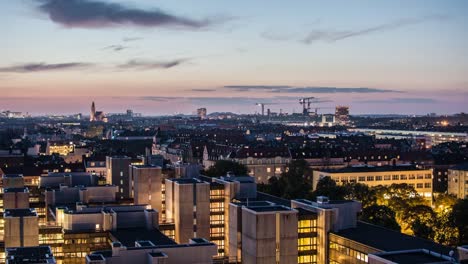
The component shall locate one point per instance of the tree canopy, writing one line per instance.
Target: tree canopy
(222, 167)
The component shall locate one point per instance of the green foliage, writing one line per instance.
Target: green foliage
(222, 167)
(445, 231)
(360, 192)
(293, 183)
(418, 220)
(328, 187)
(444, 202)
(380, 215)
(459, 217)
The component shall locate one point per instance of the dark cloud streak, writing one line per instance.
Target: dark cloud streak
(337, 35)
(39, 67)
(99, 14)
(115, 47)
(149, 65)
(400, 101)
(292, 89)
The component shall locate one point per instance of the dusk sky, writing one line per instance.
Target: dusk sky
(166, 57)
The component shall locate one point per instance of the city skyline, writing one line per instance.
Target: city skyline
(174, 57)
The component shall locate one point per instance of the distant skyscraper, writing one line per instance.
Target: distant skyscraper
(342, 114)
(201, 112)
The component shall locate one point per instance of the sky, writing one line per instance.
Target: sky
(167, 57)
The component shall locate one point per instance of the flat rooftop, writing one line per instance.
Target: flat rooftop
(186, 180)
(128, 236)
(16, 190)
(269, 208)
(147, 166)
(13, 176)
(20, 212)
(254, 203)
(388, 240)
(462, 167)
(40, 254)
(412, 257)
(357, 169)
(329, 202)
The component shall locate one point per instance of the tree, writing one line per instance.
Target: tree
(326, 186)
(460, 220)
(419, 220)
(380, 215)
(360, 192)
(222, 167)
(444, 202)
(445, 231)
(292, 184)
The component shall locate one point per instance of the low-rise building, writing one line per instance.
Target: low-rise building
(458, 181)
(420, 179)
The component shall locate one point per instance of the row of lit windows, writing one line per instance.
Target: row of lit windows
(360, 256)
(307, 259)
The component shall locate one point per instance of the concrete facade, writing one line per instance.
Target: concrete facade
(21, 228)
(188, 206)
(420, 179)
(196, 251)
(269, 236)
(14, 198)
(458, 182)
(118, 174)
(108, 218)
(147, 186)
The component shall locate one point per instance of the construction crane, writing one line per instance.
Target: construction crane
(263, 106)
(305, 102)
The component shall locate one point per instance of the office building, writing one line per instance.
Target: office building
(15, 198)
(118, 174)
(458, 181)
(30, 255)
(342, 114)
(420, 179)
(21, 228)
(263, 233)
(147, 185)
(156, 251)
(201, 113)
(188, 207)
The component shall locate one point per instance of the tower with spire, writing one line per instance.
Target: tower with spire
(92, 116)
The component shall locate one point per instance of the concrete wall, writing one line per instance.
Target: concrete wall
(21, 231)
(196, 254)
(147, 186)
(234, 232)
(98, 194)
(457, 183)
(118, 174)
(13, 200)
(263, 231)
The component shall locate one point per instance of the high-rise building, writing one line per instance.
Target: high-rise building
(268, 234)
(188, 206)
(201, 112)
(147, 186)
(21, 228)
(342, 114)
(118, 174)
